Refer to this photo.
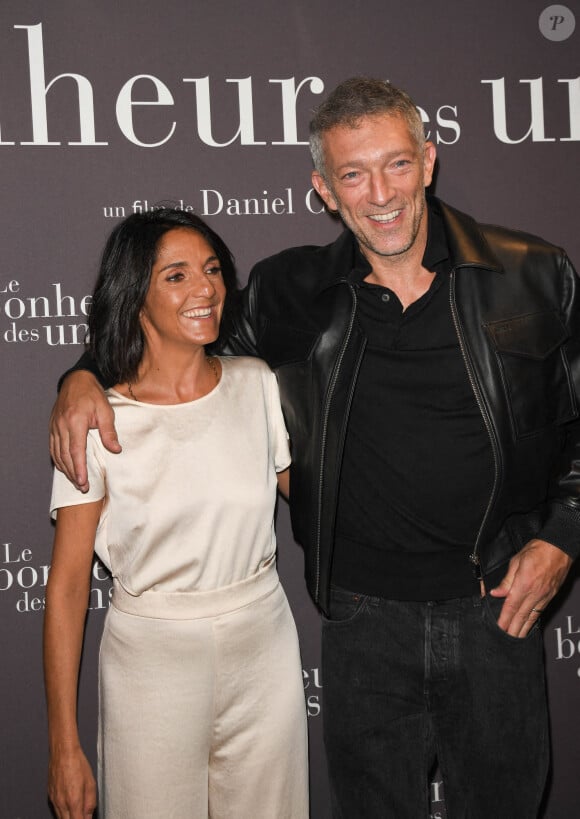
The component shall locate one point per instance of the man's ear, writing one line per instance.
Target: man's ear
(429, 158)
(322, 189)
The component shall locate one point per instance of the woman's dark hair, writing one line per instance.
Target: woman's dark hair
(116, 340)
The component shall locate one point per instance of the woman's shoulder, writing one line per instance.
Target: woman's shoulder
(249, 376)
(246, 365)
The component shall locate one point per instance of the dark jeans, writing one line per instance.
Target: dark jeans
(406, 683)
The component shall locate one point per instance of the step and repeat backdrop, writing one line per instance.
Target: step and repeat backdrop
(110, 108)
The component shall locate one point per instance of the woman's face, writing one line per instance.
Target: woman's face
(186, 294)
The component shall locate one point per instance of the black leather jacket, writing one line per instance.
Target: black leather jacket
(515, 304)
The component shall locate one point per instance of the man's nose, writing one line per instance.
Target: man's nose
(381, 190)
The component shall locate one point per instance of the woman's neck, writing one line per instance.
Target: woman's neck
(172, 378)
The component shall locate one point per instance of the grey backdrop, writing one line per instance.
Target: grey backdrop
(207, 104)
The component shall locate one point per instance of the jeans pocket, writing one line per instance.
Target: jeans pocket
(492, 607)
(344, 605)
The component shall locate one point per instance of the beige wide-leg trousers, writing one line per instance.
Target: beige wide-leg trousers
(202, 709)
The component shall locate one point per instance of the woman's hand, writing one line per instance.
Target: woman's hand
(71, 785)
(81, 405)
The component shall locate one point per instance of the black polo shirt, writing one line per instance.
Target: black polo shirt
(417, 470)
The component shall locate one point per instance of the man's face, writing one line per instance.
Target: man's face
(375, 178)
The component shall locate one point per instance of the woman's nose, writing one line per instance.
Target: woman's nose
(202, 286)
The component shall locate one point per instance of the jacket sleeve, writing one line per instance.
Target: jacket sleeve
(85, 362)
(243, 338)
(562, 525)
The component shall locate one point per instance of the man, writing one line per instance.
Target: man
(429, 371)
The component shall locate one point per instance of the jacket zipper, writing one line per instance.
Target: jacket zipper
(474, 556)
(329, 396)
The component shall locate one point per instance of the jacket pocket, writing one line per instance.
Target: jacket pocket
(531, 355)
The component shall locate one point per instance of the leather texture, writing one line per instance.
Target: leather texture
(515, 302)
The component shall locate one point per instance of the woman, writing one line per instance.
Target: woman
(201, 708)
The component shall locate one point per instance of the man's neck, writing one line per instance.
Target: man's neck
(404, 274)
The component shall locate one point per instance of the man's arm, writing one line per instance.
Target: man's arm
(81, 405)
(537, 572)
(243, 334)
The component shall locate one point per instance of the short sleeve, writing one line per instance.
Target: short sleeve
(63, 491)
(279, 445)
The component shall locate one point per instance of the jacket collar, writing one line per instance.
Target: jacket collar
(467, 248)
(336, 260)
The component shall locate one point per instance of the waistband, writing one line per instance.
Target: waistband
(197, 604)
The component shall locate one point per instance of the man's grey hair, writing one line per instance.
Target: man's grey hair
(356, 98)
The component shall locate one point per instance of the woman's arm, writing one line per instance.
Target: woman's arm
(284, 482)
(71, 785)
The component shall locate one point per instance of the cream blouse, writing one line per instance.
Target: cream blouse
(189, 502)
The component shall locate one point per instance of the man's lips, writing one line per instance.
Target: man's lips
(385, 218)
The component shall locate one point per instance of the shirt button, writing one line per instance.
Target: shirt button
(385, 297)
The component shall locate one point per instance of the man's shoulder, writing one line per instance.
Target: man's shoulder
(512, 239)
(492, 245)
(304, 260)
(527, 254)
(498, 236)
